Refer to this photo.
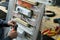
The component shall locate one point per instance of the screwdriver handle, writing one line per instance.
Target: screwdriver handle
(15, 27)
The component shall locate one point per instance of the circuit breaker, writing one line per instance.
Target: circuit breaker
(28, 16)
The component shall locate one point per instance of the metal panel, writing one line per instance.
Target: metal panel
(38, 22)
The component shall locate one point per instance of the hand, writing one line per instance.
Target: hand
(11, 23)
(12, 34)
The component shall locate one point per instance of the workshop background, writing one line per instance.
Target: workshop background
(49, 24)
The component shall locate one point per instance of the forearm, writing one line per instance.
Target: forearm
(3, 23)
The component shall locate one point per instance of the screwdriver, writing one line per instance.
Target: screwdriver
(15, 28)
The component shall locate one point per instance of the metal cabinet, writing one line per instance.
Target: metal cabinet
(26, 32)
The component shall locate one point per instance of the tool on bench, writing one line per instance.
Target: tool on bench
(57, 20)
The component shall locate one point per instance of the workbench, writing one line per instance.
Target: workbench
(50, 23)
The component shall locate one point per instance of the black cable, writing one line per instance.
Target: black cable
(50, 15)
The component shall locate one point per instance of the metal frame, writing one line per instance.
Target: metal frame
(11, 8)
